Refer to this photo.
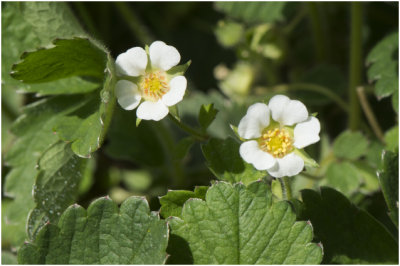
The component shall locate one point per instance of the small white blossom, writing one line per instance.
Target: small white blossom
(155, 89)
(274, 132)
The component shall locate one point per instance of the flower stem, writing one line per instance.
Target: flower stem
(286, 189)
(189, 130)
(355, 64)
(370, 114)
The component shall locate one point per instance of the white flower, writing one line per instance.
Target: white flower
(275, 131)
(155, 89)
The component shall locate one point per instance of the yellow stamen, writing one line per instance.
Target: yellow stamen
(154, 85)
(277, 142)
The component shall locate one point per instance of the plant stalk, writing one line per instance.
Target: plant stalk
(286, 189)
(373, 122)
(319, 38)
(355, 64)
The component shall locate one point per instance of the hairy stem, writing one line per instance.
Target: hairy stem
(355, 64)
(373, 122)
(286, 189)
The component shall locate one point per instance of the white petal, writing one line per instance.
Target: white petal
(255, 120)
(289, 165)
(251, 153)
(306, 133)
(128, 94)
(287, 112)
(163, 56)
(132, 63)
(177, 91)
(152, 110)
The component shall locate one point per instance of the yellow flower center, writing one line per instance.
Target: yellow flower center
(277, 142)
(154, 85)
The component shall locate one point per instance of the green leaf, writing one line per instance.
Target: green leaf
(207, 115)
(138, 144)
(101, 235)
(350, 145)
(35, 135)
(86, 128)
(172, 203)
(224, 161)
(389, 180)
(343, 176)
(392, 138)
(27, 25)
(251, 12)
(241, 225)
(72, 85)
(349, 235)
(68, 57)
(374, 153)
(384, 64)
(60, 172)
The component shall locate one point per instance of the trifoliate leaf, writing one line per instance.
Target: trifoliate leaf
(207, 115)
(384, 64)
(350, 145)
(240, 225)
(60, 172)
(349, 235)
(103, 234)
(172, 203)
(250, 12)
(224, 161)
(389, 180)
(68, 58)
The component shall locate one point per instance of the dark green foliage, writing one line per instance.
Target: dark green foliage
(389, 180)
(349, 235)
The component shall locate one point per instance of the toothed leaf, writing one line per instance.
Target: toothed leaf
(102, 234)
(240, 225)
(172, 203)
